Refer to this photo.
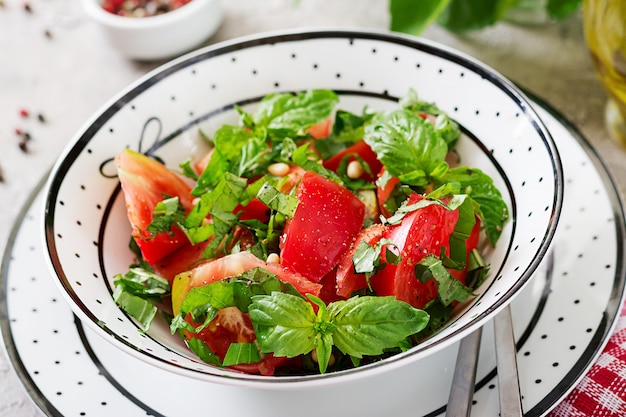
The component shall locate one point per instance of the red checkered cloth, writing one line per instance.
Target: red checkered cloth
(602, 392)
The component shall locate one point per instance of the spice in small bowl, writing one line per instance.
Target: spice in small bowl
(141, 8)
(155, 29)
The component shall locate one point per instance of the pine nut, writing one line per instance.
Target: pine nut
(279, 169)
(273, 258)
(354, 170)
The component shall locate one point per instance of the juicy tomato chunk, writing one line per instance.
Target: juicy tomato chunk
(347, 280)
(325, 223)
(363, 151)
(230, 266)
(145, 182)
(321, 130)
(182, 259)
(421, 232)
(383, 194)
(254, 210)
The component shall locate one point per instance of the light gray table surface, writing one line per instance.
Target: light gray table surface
(69, 75)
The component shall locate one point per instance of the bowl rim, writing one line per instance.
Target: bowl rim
(187, 11)
(84, 134)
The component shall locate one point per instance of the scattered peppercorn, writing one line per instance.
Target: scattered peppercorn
(41, 118)
(23, 145)
(27, 7)
(141, 8)
(47, 32)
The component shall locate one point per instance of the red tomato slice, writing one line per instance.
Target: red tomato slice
(254, 210)
(182, 259)
(383, 193)
(322, 129)
(326, 221)
(145, 182)
(421, 232)
(349, 281)
(364, 152)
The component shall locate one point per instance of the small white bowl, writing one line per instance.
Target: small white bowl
(162, 36)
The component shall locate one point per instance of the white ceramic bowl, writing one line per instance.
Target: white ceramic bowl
(162, 36)
(86, 229)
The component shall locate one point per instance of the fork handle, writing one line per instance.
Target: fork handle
(506, 361)
(462, 389)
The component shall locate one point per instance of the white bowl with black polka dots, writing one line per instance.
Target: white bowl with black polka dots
(86, 230)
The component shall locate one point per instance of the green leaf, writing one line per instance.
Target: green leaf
(369, 325)
(241, 353)
(289, 115)
(447, 128)
(560, 9)
(198, 347)
(139, 308)
(480, 187)
(467, 15)
(449, 289)
(229, 142)
(407, 145)
(411, 17)
(143, 283)
(277, 201)
(284, 324)
(166, 213)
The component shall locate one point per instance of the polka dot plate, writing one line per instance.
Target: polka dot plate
(86, 229)
(562, 320)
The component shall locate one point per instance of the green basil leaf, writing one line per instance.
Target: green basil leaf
(198, 347)
(493, 211)
(239, 353)
(411, 18)
(139, 308)
(560, 9)
(289, 115)
(369, 325)
(407, 145)
(284, 324)
(447, 128)
(324, 350)
(229, 142)
(277, 201)
(166, 214)
(449, 289)
(466, 15)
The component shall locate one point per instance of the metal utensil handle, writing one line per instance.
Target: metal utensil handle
(462, 390)
(506, 361)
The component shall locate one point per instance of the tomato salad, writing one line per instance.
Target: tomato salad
(309, 239)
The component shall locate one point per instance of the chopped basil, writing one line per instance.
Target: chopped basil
(135, 292)
(239, 353)
(277, 201)
(449, 289)
(139, 308)
(479, 186)
(200, 348)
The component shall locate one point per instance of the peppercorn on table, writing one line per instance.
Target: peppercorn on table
(57, 69)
